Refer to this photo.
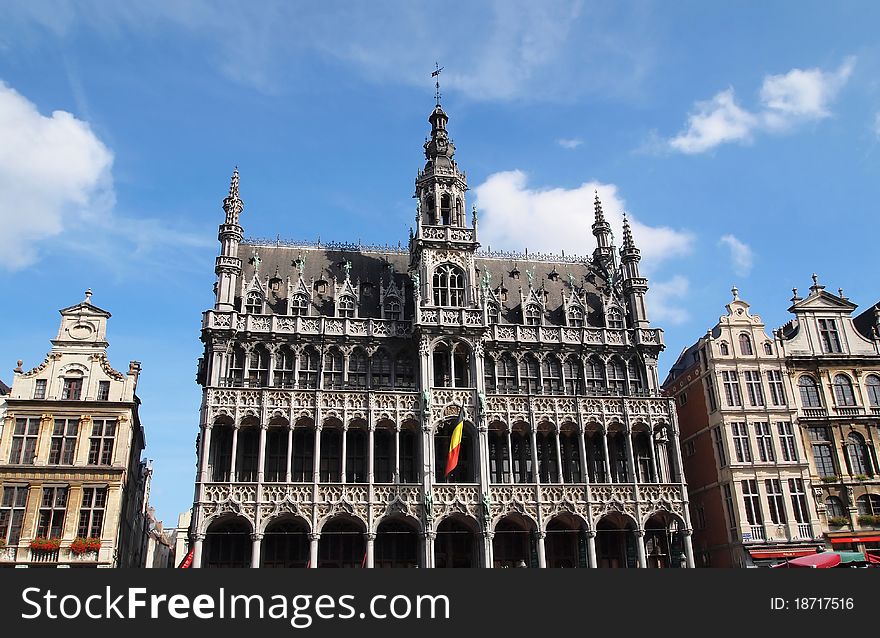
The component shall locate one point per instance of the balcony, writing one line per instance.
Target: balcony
(286, 324)
(815, 413)
(804, 531)
(758, 533)
(44, 556)
(849, 411)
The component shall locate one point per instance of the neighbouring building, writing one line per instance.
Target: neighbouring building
(180, 537)
(159, 551)
(748, 475)
(4, 392)
(72, 482)
(834, 362)
(333, 376)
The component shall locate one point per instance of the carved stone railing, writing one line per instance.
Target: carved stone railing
(221, 492)
(451, 317)
(7, 554)
(449, 234)
(44, 556)
(567, 407)
(815, 413)
(849, 411)
(227, 400)
(283, 324)
(298, 493)
(351, 492)
(584, 335)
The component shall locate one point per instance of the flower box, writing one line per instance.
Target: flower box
(867, 520)
(82, 545)
(45, 544)
(838, 521)
(830, 479)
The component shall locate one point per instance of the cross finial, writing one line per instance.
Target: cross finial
(436, 74)
(88, 296)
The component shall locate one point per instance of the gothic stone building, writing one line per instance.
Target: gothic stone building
(70, 454)
(333, 374)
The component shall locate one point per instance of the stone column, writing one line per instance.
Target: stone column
(640, 548)
(542, 556)
(261, 456)
(582, 443)
(198, 539)
(289, 451)
(430, 535)
(631, 457)
(688, 548)
(316, 465)
(205, 452)
(488, 551)
(536, 474)
(396, 454)
(313, 550)
(608, 477)
(371, 538)
(255, 550)
(509, 454)
(344, 451)
(654, 467)
(591, 548)
(371, 452)
(559, 455)
(233, 474)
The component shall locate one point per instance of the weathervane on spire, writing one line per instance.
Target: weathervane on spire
(436, 74)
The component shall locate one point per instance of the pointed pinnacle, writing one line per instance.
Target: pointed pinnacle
(233, 184)
(597, 206)
(628, 241)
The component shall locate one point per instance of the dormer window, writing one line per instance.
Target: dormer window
(745, 344)
(615, 319)
(828, 335)
(576, 317)
(72, 388)
(392, 309)
(40, 389)
(254, 303)
(103, 390)
(299, 305)
(345, 306)
(533, 315)
(723, 348)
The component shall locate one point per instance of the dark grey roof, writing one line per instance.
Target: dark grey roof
(867, 320)
(4, 389)
(686, 359)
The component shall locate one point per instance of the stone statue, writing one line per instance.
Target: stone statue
(426, 401)
(487, 507)
(531, 275)
(347, 268)
(417, 284)
(482, 398)
(571, 280)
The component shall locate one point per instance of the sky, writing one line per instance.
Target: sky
(742, 139)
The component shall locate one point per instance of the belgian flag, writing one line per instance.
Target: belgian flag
(455, 442)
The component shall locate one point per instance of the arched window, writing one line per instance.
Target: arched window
(533, 315)
(308, 368)
(236, 369)
(528, 373)
(857, 455)
(576, 317)
(452, 365)
(595, 379)
(357, 369)
(448, 286)
(403, 371)
(392, 309)
(299, 305)
(745, 344)
(548, 467)
(380, 369)
(493, 313)
(345, 306)
(499, 461)
(333, 370)
(873, 384)
(768, 348)
(356, 455)
(723, 349)
(573, 379)
(834, 507)
(634, 370)
(843, 391)
(254, 303)
(258, 368)
(869, 505)
(809, 392)
(445, 209)
(551, 375)
(506, 371)
(615, 319)
(284, 368)
(616, 379)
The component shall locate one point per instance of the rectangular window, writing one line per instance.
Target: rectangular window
(72, 389)
(91, 513)
(719, 447)
(798, 500)
(699, 516)
(823, 453)
(741, 443)
(752, 502)
(786, 441)
(828, 335)
(689, 448)
(731, 388)
(728, 505)
(24, 441)
(40, 389)
(775, 501)
(12, 509)
(63, 443)
(101, 441)
(103, 390)
(777, 390)
(52, 509)
(710, 391)
(753, 386)
(683, 398)
(764, 437)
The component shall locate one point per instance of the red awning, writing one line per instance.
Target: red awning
(855, 539)
(872, 558)
(787, 553)
(823, 559)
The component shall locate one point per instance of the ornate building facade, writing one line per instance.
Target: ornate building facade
(332, 375)
(72, 484)
(748, 475)
(834, 362)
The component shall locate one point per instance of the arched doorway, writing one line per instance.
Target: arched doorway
(514, 543)
(616, 542)
(456, 543)
(286, 543)
(565, 542)
(228, 543)
(342, 543)
(664, 544)
(397, 544)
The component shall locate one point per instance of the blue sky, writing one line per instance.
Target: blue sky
(742, 138)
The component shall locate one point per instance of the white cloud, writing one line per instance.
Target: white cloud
(740, 254)
(53, 170)
(56, 190)
(514, 216)
(569, 142)
(787, 100)
(662, 297)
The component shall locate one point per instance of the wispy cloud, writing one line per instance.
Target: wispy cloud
(740, 254)
(56, 189)
(569, 143)
(515, 216)
(786, 101)
(665, 300)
